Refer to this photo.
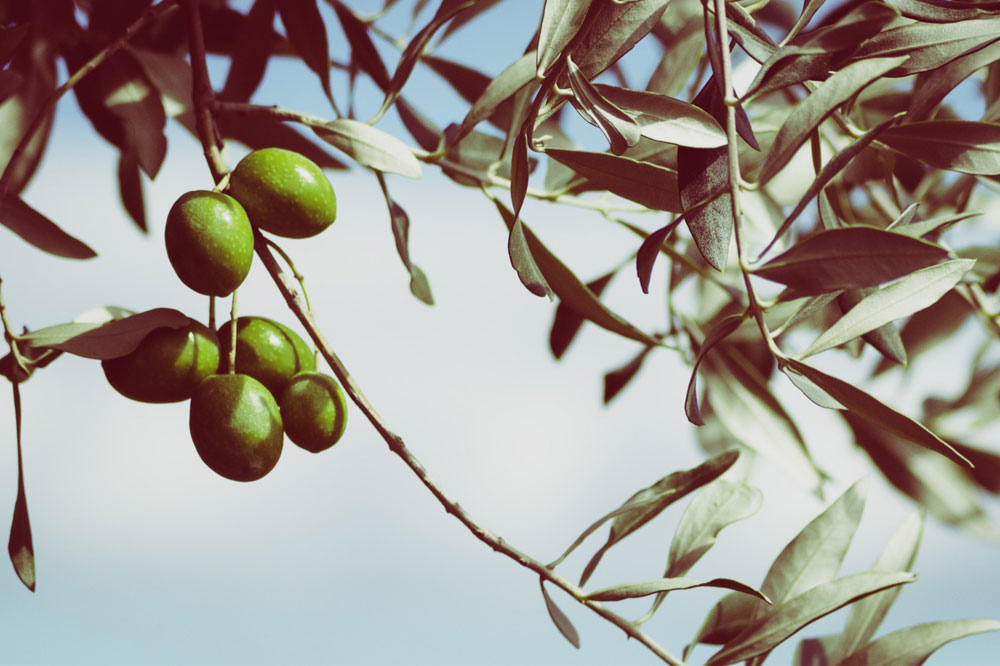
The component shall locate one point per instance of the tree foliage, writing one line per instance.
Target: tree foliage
(826, 163)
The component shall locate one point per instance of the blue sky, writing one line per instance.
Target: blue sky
(145, 556)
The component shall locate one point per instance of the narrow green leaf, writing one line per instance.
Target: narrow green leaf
(400, 223)
(519, 168)
(719, 504)
(515, 77)
(931, 87)
(814, 556)
(561, 20)
(703, 180)
(829, 171)
(645, 183)
(570, 289)
(865, 406)
(19, 546)
(369, 146)
(866, 615)
(666, 119)
(307, 33)
(251, 55)
(567, 321)
(646, 504)
(811, 111)
(39, 230)
(618, 127)
(957, 145)
(648, 587)
(815, 651)
(850, 257)
(362, 48)
(619, 378)
(900, 298)
(718, 333)
(524, 263)
(559, 618)
(415, 48)
(926, 46)
(744, 405)
(942, 13)
(885, 338)
(913, 645)
(130, 189)
(809, 389)
(105, 340)
(782, 621)
(614, 28)
(725, 620)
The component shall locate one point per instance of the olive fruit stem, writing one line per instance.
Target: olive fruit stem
(232, 334)
(46, 109)
(211, 312)
(10, 337)
(299, 277)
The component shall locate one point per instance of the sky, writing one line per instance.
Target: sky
(145, 556)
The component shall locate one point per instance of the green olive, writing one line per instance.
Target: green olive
(167, 364)
(209, 242)
(267, 350)
(313, 411)
(284, 193)
(236, 426)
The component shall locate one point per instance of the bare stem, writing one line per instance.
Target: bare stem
(297, 305)
(309, 120)
(734, 172)
(202, 93)
(232, 333)
(10, 337)
(205, 105)
(46, 110)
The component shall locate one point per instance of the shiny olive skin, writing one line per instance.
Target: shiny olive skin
(267, 350)
(236, 426)
(167, 365)
(209, 242)
(313, 411)
(284, 193)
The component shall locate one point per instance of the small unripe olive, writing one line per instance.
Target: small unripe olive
(313, 411)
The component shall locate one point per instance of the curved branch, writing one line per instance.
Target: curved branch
(204, 99)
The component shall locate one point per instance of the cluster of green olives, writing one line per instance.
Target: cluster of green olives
(236, 422)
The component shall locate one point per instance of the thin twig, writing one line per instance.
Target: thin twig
(46, 109)
(202, 93)
(295, 303)
(205, 104)
(11, 338)
(732, 138)
(309, 120)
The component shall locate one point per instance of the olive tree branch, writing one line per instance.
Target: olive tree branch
(732, 139)
(297, 305)
(202, 93)
(309, 120)
(205, 105)
(47, 108)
